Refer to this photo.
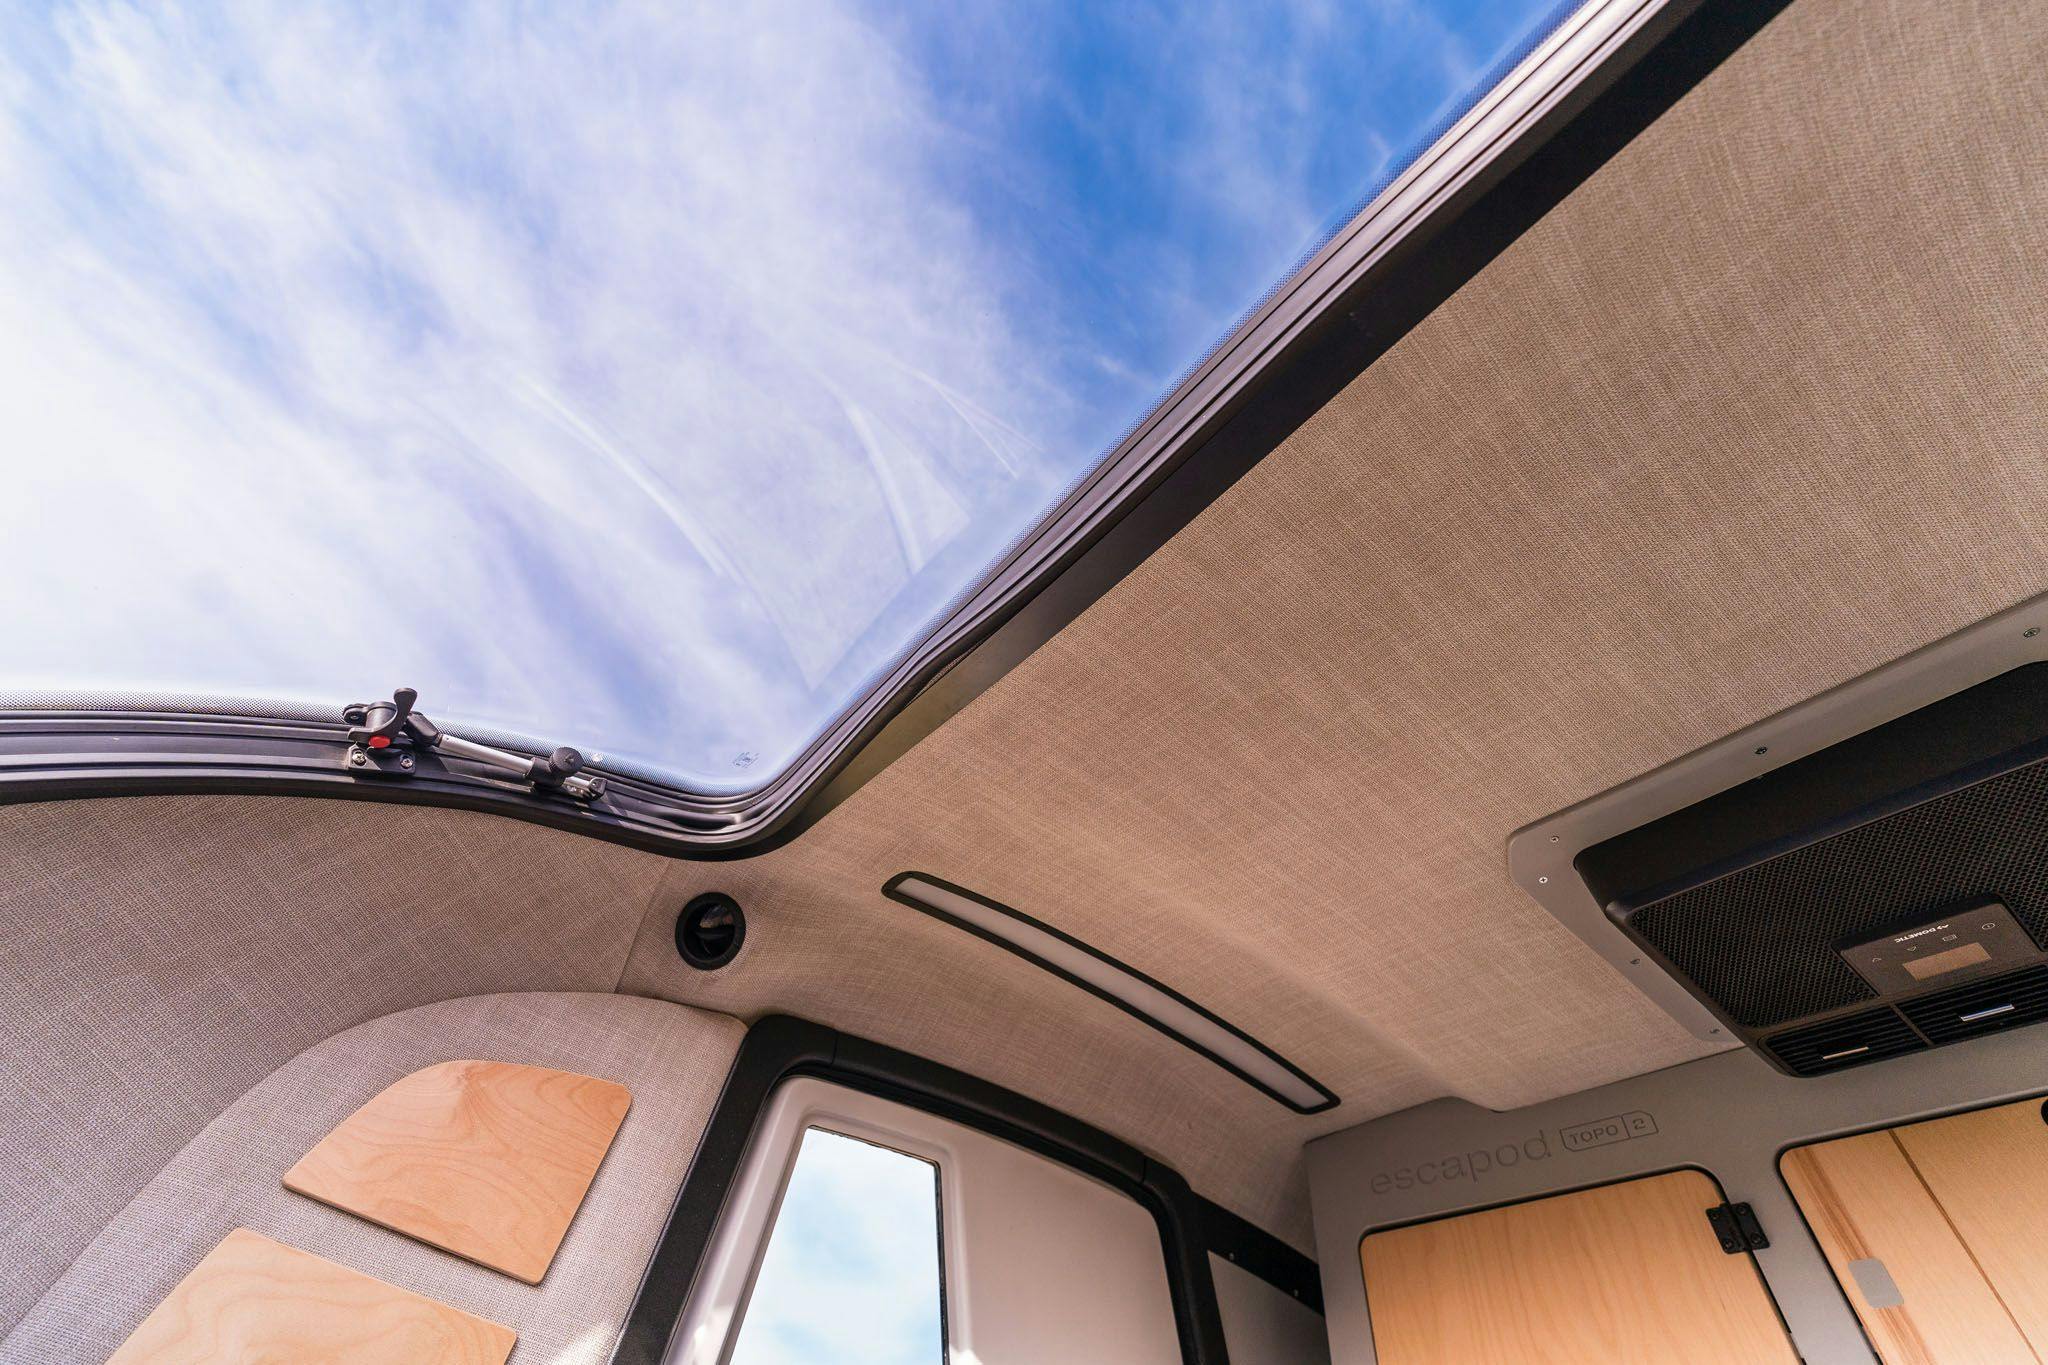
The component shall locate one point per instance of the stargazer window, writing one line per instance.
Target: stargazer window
(643, 377)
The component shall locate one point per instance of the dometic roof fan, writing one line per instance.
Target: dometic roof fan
(1860, 877)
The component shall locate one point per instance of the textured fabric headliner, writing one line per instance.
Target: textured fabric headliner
(1755, 410)
(1758, 408)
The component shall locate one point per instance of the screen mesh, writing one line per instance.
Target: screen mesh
(1762, 940)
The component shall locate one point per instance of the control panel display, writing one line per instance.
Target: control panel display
(1947, 960)
(1969, 939)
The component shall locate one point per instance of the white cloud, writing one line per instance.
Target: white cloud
(515, 359)
(633, 374)
(851, 1272)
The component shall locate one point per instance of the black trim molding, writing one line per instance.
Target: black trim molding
(1250, 1247)
(780, 1048)
(1676, 49)
(893, 889)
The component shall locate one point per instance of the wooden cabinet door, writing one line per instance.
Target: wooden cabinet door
(1936, 1232)
(1989, 1170)
(1625, 1272)
(1908, 1275)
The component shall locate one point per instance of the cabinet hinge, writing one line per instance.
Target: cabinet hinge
(1737, 1229)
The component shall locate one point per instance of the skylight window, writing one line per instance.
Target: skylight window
(647, 378)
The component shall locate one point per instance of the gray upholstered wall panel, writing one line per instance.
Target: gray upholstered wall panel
(162, 955)
(674, 1060)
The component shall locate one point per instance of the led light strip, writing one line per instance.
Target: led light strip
(1131, 991)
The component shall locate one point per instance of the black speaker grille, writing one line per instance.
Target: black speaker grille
(1989, 1006)
(1762, 940)
(1867, 1037)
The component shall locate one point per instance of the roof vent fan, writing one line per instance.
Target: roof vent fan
(1845, 1042)
(2000, 1002)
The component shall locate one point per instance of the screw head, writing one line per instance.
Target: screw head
(1543, 881)
(405, 760)
(2031, 631)
(357, 757)
(1762, 749)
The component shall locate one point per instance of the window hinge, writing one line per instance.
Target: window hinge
(1737, 1228)
(384, 737)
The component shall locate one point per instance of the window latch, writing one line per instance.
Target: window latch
(388, 737)
(1737, 1229)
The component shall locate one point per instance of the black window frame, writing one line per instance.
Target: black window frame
(781, 1047)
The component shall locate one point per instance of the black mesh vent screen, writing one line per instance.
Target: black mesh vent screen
(1981, 1007)
(1762, 940)
(1844, 1042)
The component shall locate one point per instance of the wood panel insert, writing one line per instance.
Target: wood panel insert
(1954, 1210)
(253, 1301)
(1864, 1202)
(488, 1160)
(1630, 1271)
(1989, 1170)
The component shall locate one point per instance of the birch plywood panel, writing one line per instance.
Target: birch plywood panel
(1985, 1169)
(488, 1160)
(1866, 1203)
(1630, 1271)
(253, 1301)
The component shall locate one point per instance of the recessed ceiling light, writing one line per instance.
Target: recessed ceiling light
(1129, 990)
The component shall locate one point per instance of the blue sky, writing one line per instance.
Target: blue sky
(851, 1274)
(643, 376)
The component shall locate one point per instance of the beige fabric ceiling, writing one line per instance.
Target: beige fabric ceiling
(1758, 408)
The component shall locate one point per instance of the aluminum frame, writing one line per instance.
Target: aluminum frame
(1730, 1115)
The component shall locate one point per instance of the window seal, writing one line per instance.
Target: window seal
(1604, 74)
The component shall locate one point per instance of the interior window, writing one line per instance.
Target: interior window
(852, 1268)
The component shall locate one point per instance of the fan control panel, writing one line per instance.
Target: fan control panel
(1969, 940)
